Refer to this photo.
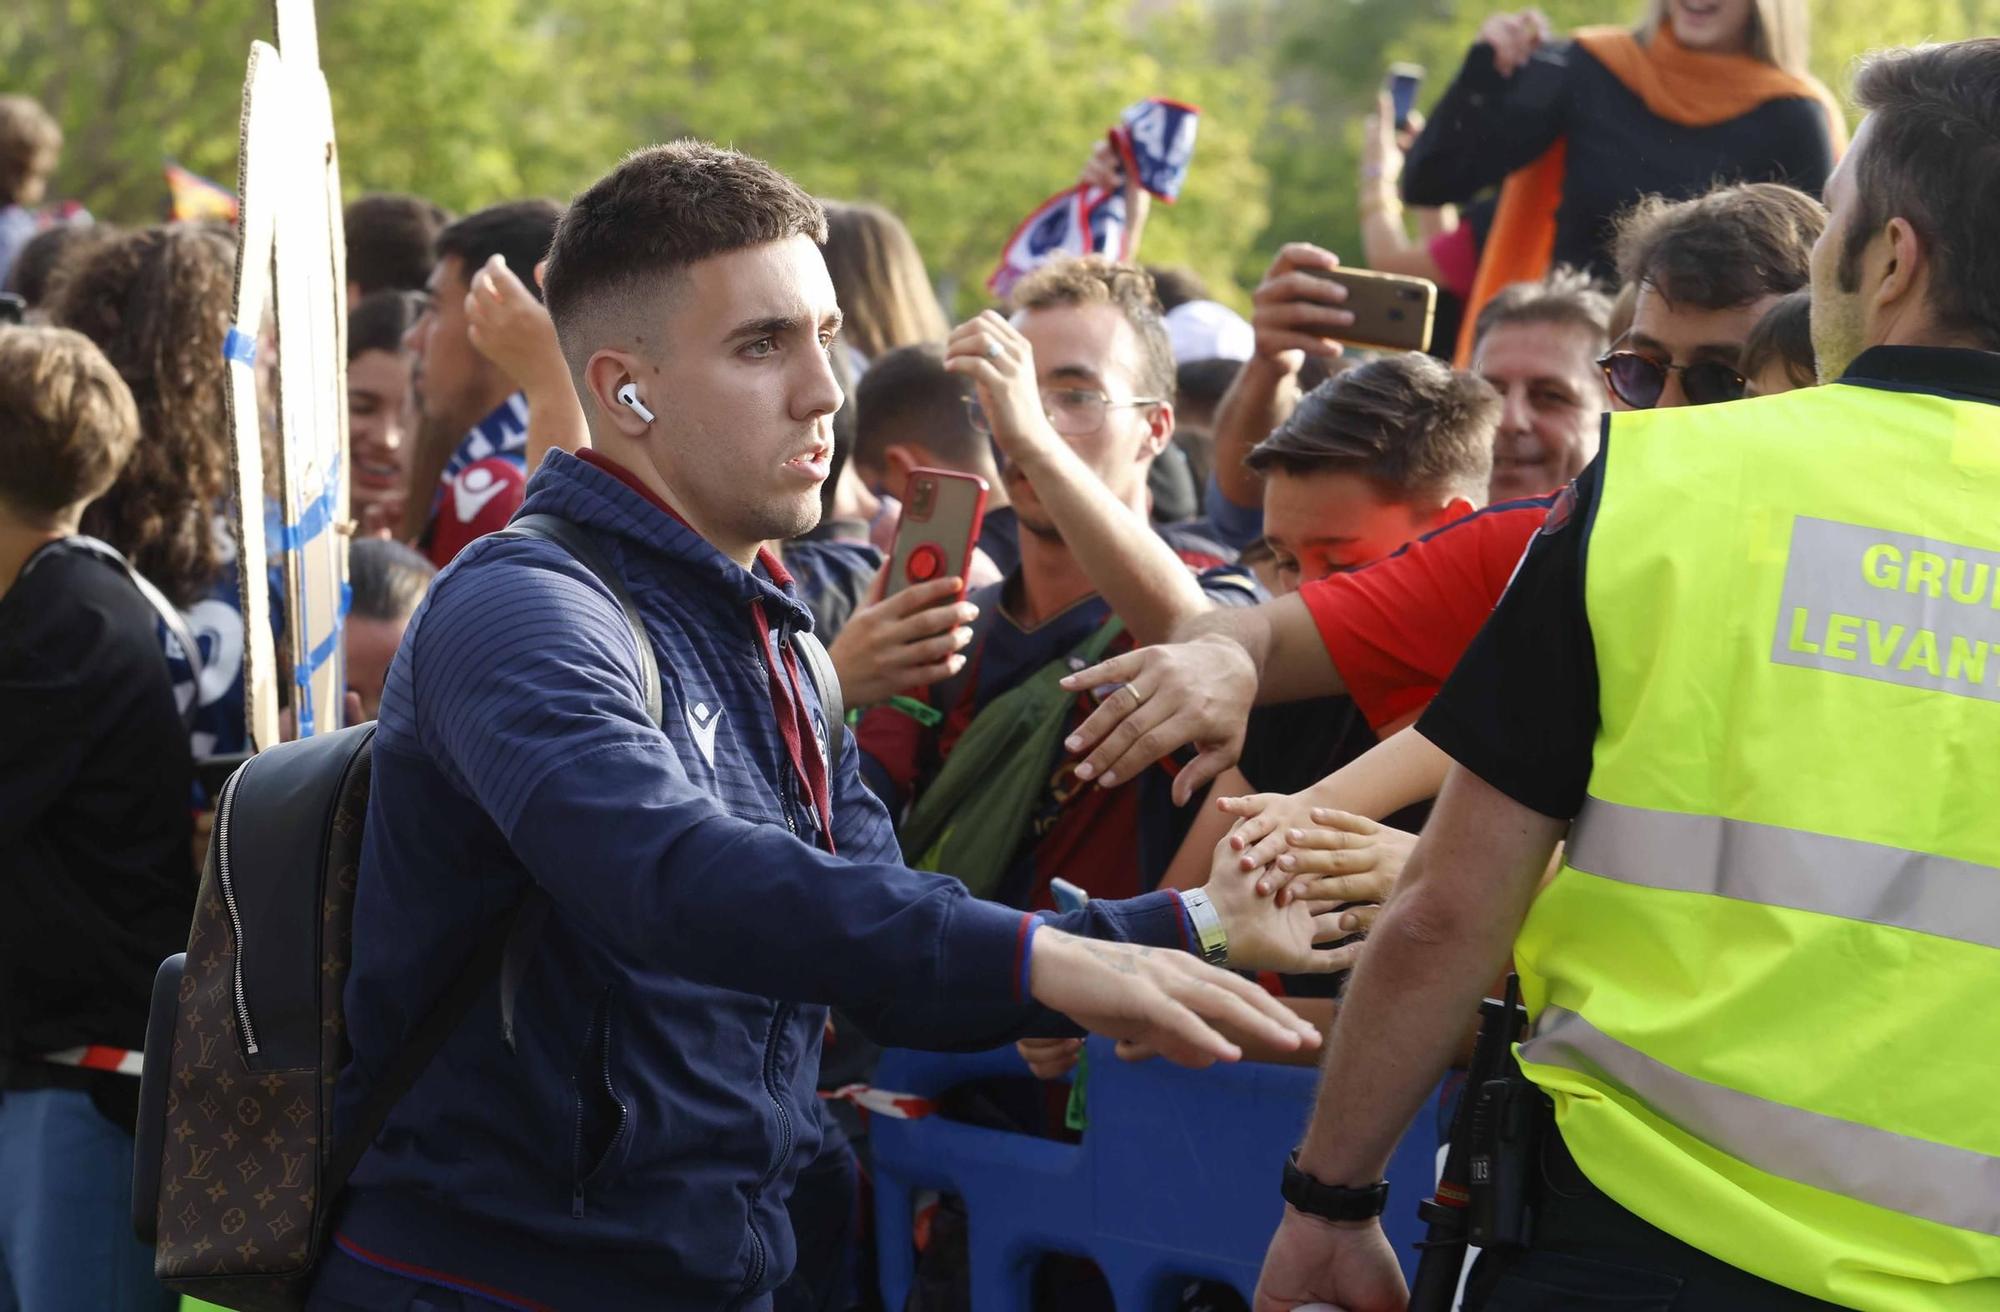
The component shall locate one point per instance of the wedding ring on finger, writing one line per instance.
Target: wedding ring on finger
(992, 350)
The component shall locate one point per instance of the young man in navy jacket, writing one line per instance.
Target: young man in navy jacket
(716, 881)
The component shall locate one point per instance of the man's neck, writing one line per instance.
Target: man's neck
(18, 541)
(1052, 578)
(634, 463)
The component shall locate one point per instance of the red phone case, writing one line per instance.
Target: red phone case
(939, 525)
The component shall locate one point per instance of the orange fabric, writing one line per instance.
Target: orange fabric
(1679, 85)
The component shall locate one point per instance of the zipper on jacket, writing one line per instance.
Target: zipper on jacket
(222, 809)
(779, 1019)
(602, 1032)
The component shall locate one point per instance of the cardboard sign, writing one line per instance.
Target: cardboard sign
(288, 394)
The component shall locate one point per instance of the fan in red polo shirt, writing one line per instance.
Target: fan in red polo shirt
(1395, 629)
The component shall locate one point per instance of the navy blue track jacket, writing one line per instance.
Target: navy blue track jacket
(636, 1147)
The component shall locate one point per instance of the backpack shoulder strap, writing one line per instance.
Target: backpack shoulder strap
(169, 614)
(573, 539)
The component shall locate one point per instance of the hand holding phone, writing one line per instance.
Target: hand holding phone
(1294, 311)
(1390, 311)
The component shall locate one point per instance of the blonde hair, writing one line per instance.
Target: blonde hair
(67, 422)
(1780, 32)
(1101, 280)
(879, 280)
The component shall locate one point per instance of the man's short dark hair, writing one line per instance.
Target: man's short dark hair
(518, 230)
(380, 321)
(1200, 384)
(1175, 284)
(661, 210)
(1783, 336)
(1932, 158)
(906, 394)
(1565, 297)
(387, 577)
(391, 241)
(1728, 248)
(1419, 429)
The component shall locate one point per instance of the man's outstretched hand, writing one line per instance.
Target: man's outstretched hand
(1158, 1000)
(1174, 694)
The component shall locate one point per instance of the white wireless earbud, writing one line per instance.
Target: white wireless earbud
(628, 396)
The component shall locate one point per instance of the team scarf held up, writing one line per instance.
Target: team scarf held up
(1690, 88)
(1155, 141)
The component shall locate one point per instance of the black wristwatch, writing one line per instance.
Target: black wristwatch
(1331, 1202)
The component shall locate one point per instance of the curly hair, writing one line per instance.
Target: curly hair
(1100, 280)
(157, 302)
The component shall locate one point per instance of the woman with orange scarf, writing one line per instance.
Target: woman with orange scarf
(1703, 92)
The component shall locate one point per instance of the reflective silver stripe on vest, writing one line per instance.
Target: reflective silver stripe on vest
(1788, 868)
(1931, 1181)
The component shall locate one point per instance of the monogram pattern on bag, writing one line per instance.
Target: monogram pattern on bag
(244, 1148)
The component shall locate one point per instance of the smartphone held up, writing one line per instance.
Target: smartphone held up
(938, 529)
(1392, 311)
(1403, 81)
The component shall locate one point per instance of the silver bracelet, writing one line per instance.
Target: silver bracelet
(1209, 934)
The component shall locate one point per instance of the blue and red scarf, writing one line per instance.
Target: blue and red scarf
(1155, 141)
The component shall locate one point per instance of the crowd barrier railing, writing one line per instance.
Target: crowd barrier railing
(1176, 1176)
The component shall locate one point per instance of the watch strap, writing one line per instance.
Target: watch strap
(1332, 1202)
(1210, 936)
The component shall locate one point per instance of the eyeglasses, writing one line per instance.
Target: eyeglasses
(1072, 411)
(1639, 380)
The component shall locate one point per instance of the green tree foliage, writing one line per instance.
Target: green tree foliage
(959, 118)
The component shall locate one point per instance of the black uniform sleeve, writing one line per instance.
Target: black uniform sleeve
(1520, 709)
(1486, 126)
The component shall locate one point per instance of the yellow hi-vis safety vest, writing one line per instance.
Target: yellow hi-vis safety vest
(1766, 984)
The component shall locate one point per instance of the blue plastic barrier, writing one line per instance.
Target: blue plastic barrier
(1176, 1177)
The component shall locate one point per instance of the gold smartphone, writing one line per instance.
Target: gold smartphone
(1392, 311)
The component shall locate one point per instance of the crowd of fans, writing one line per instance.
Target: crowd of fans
(1350, 518)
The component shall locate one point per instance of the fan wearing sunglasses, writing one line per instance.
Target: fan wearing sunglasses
(1707, 270)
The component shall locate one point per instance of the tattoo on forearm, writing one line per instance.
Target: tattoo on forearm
(1125, 963)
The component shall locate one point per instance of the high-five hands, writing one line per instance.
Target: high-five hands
(1158, 1000)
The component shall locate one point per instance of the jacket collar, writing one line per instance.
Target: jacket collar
(598, 494)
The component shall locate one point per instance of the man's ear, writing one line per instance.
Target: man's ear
(1456, 508)
(1906, 267)
(1159, 430)
(898, 460)
(609, 372)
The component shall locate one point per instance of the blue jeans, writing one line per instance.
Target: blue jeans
(66, 1242)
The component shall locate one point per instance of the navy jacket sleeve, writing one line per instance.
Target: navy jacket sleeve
(544, 726)
(863, 833)
(1485, 126)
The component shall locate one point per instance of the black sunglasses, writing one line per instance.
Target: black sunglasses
(1638, 380)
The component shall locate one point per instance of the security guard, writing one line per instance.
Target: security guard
(1752, 667)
